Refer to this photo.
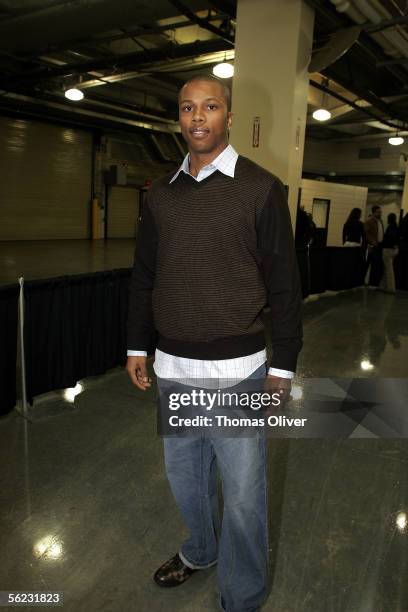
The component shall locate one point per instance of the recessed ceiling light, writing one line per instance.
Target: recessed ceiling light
(321, 114)
(223, 70)
(74, 94)
(396, 140)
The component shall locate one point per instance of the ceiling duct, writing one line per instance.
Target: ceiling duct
(339, 43)
(394, 41)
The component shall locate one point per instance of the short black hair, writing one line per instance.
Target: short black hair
(375, 207)
(212, 79)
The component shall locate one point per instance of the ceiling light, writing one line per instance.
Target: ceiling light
(223, 70)
(74, 94)
(396, 140)
(321, 114)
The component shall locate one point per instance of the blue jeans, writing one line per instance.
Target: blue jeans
(242, 551)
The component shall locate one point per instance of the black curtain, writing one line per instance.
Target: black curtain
(332, 268)
(401, 267)
(345, 267)
(301, 254)
(318, 269)
(75, 326)
(8, 346)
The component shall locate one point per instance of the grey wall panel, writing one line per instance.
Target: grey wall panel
(45, 188)
(343, 157)
(123, 210)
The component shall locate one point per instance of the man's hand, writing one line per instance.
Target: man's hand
(137, 370)
(282, 386)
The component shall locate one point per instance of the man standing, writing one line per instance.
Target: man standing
(374, 231)
(214, 247)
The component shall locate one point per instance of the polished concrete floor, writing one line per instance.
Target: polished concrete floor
(34, 259)
(86, 508)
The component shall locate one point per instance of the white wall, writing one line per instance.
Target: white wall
(342, 199)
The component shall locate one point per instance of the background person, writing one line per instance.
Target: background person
(389, 252)
(374, 232)
(305, 228)
(353, 230)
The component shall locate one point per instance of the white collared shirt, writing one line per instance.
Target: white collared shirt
(237, 369)
(225, 163)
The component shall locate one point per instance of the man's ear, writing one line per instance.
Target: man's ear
(229, 119)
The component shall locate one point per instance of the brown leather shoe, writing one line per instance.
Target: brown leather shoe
(173, 573)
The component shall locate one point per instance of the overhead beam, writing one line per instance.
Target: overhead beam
(87, 115)
(131, 61)
(136, 32)
(159, 70)
(203, 23)
(159, 29)
(403, 61)
(375, 103)
(383, 25)
(338, 21)
(224, 6)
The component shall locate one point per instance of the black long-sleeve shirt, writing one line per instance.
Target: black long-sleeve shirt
(391, 237)
(353, 231)
(210, 255)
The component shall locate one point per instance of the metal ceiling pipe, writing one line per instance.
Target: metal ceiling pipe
(367, 9)
(344, 6)
(361, 11)
(133, 61)
(385, 14)
(88, 113)
(392, 37)
(358, 17)
(70, 21)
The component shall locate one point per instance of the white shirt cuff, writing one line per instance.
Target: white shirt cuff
(137, 353)
(281, 373)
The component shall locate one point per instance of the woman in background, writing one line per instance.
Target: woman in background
(353, 230)
(389, 251)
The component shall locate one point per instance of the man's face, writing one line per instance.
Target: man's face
(204, 117)
(377, 213)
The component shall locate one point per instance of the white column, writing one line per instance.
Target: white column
(272, 51)
(404, 200)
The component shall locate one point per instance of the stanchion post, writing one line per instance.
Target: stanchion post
(309, 271)
(22, 353)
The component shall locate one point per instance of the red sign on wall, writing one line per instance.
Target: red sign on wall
(255, 131)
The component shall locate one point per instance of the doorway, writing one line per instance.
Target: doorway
(320, 214)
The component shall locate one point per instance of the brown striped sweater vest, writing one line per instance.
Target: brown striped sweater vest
(210, 256)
